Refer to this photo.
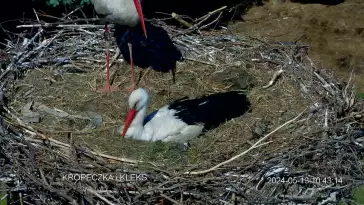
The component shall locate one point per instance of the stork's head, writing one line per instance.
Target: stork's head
(138, 100)
(138, 7)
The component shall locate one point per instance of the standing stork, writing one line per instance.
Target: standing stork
(123, 12)
(181, 120)
(156, 52)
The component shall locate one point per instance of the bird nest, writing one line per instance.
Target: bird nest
(301, 143)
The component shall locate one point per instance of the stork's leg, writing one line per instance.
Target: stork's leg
(112, 62)
(107, 87)
(133, 85)
(174, 75)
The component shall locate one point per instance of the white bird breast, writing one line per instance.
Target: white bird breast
(166, 127)
(118, 11)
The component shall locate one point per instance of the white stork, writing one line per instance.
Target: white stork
(124, 12)
(181, 120)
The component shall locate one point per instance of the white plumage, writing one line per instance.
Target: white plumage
(163, 126)
(117, 11)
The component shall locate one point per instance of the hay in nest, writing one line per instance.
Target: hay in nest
(301, 143)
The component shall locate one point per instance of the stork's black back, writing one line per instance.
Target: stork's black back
(211, 110)
(157, 51)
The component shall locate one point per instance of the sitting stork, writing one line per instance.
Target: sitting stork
(123, 12)
(181, 120)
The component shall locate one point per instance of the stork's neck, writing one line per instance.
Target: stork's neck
(137, 127)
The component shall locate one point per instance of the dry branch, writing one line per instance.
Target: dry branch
(183, 22)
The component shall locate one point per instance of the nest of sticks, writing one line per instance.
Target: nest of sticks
(323, 168)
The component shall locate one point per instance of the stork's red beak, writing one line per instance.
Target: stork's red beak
(138, 7)
(129, 119)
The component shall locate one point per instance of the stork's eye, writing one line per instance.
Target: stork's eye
(136, 105)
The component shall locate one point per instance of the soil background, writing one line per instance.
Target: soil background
(334, 32)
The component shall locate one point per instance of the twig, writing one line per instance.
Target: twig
(42, 176)
(60, 26)
(4, 197)
(204, 62)
(21, 198)
(326, 85)
(36, 15)
(6, 72)
(212, 22)
(170, 199)
(179, 19)
(70, 13)
(204, 18)
(326, 123)
(349, 101)
(99, 196)
(199, 21)
(274, 78)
